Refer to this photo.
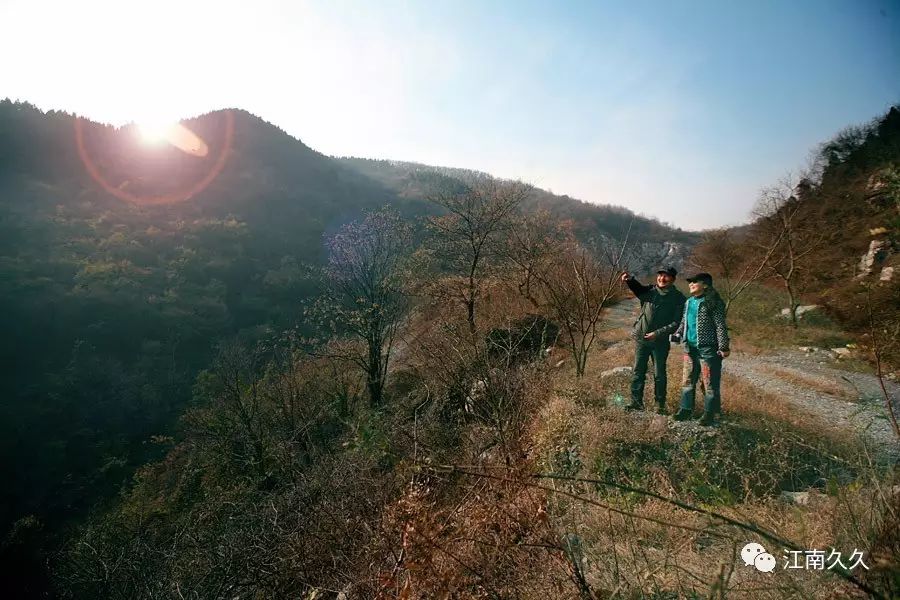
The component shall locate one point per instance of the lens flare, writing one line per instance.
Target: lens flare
(155, 132)
(178, 136)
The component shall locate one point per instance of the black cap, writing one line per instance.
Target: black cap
(668, 270)
(704, 277)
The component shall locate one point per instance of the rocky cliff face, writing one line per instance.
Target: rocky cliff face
(649, 256)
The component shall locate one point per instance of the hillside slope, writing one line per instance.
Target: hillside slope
(123, 265)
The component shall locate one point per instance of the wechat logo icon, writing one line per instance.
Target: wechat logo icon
(754, 555)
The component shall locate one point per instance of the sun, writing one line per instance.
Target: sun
(155, 131)
(171, 132)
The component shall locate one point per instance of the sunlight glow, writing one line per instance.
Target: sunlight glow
(178, 136)
(158, 132)
(155, 132)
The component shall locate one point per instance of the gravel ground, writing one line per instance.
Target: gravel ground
(863, 408)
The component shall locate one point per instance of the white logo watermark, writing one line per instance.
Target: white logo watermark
(755, 555)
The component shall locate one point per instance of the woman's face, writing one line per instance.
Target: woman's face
(696, 288)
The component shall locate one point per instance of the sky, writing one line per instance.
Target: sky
(680, 110)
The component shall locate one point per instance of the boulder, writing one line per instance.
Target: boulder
(658, 424)
(525, 340)
(887, 274)
(883, 187)
(615, 371)
(808, 349)
(798, 498)
(841, 352)
(801, 310)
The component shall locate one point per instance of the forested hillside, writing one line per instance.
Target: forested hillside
(123, 266)
(413, 180)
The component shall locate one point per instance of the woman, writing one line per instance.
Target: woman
(706, 343)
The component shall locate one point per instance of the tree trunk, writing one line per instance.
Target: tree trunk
(793, 303)
(375, 383)
(580, 361)
(470, 314)
(375, 392)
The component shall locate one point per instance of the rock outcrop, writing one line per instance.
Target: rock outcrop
(878, 251)
(801, 310)
(649, 256)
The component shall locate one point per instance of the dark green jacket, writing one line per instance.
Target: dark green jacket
(660, 313)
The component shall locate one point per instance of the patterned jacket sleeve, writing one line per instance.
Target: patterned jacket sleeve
(670, 328)
(718, 316)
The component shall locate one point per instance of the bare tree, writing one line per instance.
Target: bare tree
(465, 240)
(364, 296)
(724, 254)
(534, 241)
(787, 233)
(235, 424)
(576, 287)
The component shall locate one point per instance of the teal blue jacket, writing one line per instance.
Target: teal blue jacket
(712, 331)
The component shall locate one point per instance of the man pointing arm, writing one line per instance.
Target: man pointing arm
(661, 309)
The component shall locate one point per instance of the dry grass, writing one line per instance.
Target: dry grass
(755, 326)
(742, 399)
(490, 539)
(824, 386)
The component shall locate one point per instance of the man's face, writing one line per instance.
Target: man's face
(664, 280)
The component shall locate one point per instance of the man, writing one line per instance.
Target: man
(661, 310)
(706, 343)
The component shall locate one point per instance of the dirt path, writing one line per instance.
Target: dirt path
(814, 382)
(817, 383)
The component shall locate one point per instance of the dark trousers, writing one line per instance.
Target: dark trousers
(643, 352)
(705, 363)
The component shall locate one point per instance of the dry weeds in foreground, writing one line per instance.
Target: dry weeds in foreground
(603, 503)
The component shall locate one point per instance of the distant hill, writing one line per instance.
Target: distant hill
(414, 180)
(109, 308)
